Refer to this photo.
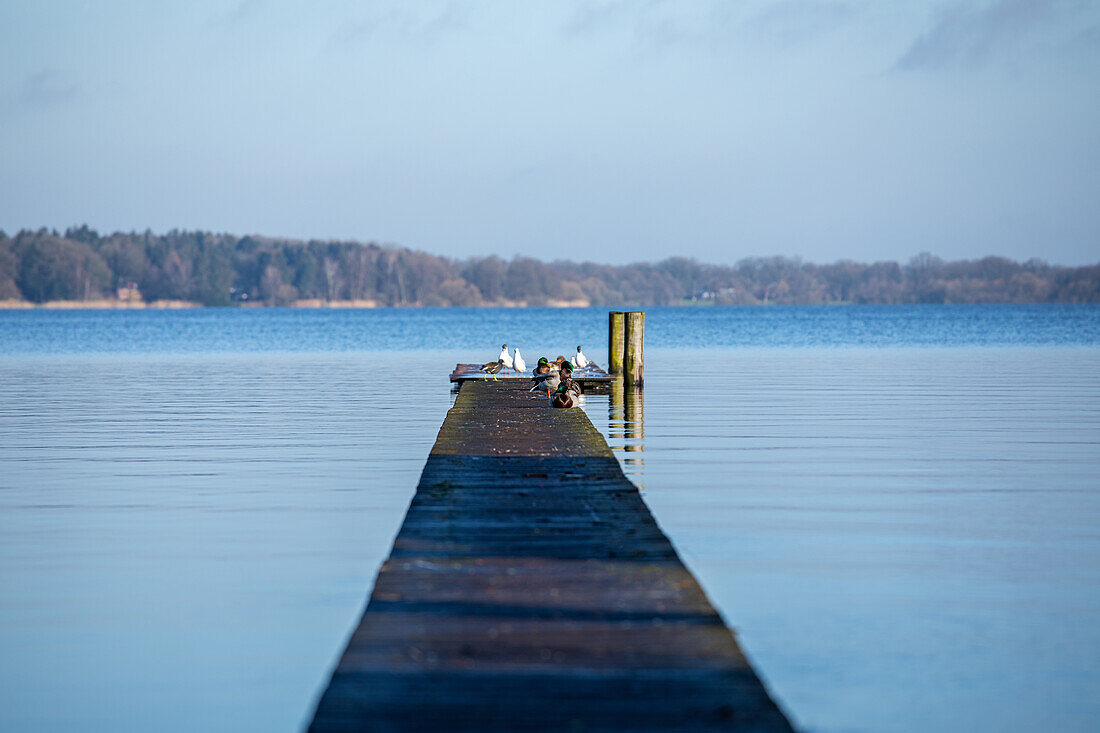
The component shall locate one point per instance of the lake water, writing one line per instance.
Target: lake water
(897, 508)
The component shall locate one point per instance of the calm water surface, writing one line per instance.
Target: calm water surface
(896, 508)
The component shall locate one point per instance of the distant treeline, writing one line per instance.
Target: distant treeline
(220, 269)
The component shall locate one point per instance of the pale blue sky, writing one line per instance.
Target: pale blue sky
(604, 130)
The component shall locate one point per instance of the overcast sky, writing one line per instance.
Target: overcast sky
(602, 130)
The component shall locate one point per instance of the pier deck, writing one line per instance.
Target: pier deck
(530, 589)
(593, 379)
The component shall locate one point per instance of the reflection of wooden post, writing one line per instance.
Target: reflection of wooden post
(615, 333)
(634, 356)
(615, 401)
(634, 419)
(615, 414)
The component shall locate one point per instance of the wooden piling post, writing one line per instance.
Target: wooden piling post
(634, 349)
(615, 334)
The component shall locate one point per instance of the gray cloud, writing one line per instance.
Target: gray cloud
(244, 10)
(662, 23)
(966, 37)
(793, 21)
(1086, 40)
(49, 88)
(963, 34)
(404, 21)
(597, 16)
(239, 14)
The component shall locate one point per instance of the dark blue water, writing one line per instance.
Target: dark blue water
(898, 509)
(213, 330)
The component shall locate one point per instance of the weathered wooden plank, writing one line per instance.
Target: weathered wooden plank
(530, 589)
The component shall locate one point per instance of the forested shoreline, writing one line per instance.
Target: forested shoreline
(202, 268)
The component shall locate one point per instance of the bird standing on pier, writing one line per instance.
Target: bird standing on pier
(493, 367)
(580, 359)
(547, 380)
(504, 358)
(519, 364)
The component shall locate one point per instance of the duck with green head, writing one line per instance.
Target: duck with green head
(546, 377)
(568, 392)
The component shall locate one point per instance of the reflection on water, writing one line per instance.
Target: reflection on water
(626, 429)
(185, 542)
(891, 529)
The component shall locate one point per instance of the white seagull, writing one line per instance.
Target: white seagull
(520, 364)
(580, 361)
(504, 357)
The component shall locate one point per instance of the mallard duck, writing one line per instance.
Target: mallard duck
(548, 380)
(561, 399)
(504, 358)
(519, 364)
(542, 367)
(493, 367)
(580, 359)
(567, 394)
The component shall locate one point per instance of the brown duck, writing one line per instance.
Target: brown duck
(493, 367)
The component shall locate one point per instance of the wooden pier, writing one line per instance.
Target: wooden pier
(530, 589)
(593, 379)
